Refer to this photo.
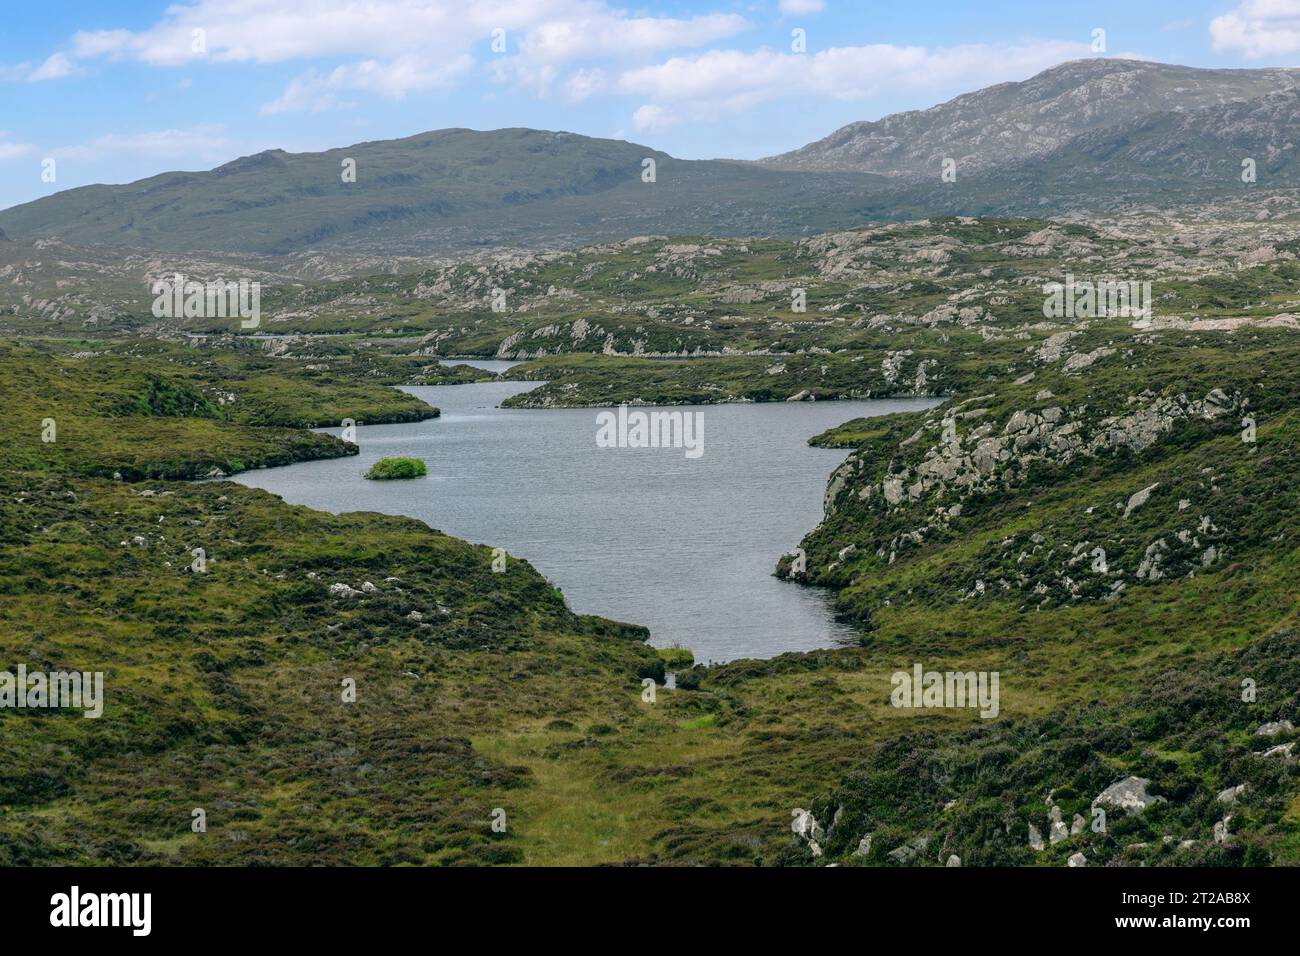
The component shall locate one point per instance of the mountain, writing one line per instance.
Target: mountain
(443, 190)
(1163, 160)
(1012, 122)
(1087, 136)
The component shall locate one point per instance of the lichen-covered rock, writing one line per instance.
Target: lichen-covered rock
(1057, 830)
(1273, 728)
(1231, 794)
(909, 850)
(1129, 795)
(1139, 498)
(805, 826)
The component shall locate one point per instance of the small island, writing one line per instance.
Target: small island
(387, 468)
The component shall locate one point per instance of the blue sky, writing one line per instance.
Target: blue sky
(115, 91)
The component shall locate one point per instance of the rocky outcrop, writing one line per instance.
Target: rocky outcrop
(1035, 838)
(909, 850)
(1274, 727)
(1057, 828)
(1231, 794)
(805, 827)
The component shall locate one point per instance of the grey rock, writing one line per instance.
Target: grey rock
(909, 850)
(1129, 795)
(1273, 728)
(1232, 793)
(1281, 750)
(1058, 830)
(1035, 838)
(1139, 498)
(805, 826)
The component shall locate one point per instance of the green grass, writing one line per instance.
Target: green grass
(479, 690)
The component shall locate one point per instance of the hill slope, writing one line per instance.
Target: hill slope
(448, 189)
(1011, 122)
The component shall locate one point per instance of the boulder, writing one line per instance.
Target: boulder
(1273, 728)
(1281, 750)
(1139, 498)
(1129, 795)
(1077, 859)
(805, 826)
(1035, 838)
(908, 851)
(1058, 830)
(1232, 793)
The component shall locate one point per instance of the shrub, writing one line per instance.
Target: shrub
(676, 657)
(387, 468)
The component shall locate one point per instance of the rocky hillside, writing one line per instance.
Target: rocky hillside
(1118, 514)
(1100, 510)
(1012, 122)
(1085, 136)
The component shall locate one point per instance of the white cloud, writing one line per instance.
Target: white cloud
(315, 91)
(16, 150)
(56, 66)
(271, 31)
(721, 81)
(654, 118)
(404, 45)
(584, 84)
(610, 34)
(796, 7)
(205, 143)
(1258, 28)
(600, 34)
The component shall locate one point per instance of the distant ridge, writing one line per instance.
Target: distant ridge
(1088, 135)
(442, 190)
(1011, 122)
